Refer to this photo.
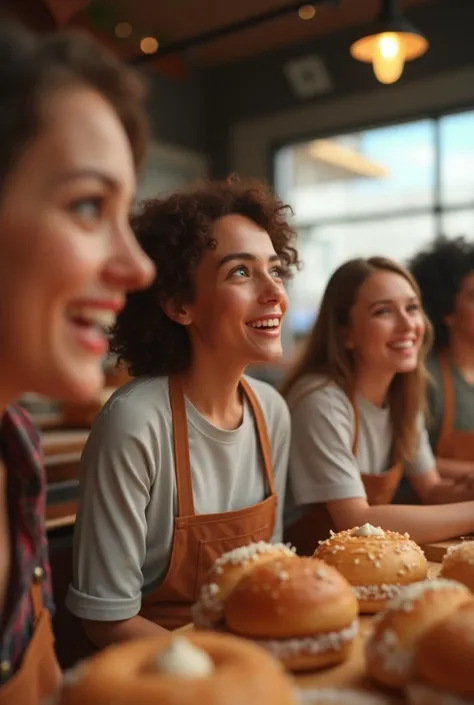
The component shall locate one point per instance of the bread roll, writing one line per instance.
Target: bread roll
(444, 662)
(227, 570)
(376, 563)
(391, 647)
(206, 669)
(458, 564)
(300, 609)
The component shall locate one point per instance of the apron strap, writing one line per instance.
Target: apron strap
(261, 432)
(184, 485)
(447, 423)
(36, 594)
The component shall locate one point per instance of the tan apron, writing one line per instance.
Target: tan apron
(199, 539)
(316, 523)
(39, 674)
(452, 444)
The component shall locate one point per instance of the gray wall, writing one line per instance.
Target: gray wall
(177, 109)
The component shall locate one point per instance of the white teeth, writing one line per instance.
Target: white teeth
(266, 323)
(105, 318)
(403, 345)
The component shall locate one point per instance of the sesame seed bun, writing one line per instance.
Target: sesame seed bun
(300, 609)
(376, 566)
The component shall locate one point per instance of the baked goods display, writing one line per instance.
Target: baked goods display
(210, 668)
(226, 571)
(299, 609)
(333, 696)
(391, 647)
(458, 564)
(376, 563)
(444, 662)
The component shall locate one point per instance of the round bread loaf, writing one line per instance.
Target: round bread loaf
(458, 564)
(300, 609)
(391, 647)
(376, 564)
(225, 573)
(130, 674)
(444, 661)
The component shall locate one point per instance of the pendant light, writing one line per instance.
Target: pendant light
(392, 41)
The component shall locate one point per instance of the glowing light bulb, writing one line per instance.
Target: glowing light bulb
(389, 58)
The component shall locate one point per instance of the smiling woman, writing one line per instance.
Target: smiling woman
(356, 400)
(191, 451)
(72, 132)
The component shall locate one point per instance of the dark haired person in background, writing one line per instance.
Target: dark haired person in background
(72, 130)
(190, 458)
(445, 275)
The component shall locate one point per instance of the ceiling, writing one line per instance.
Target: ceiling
(174, 20)
(181, 19)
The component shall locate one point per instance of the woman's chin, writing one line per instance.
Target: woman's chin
(80, 385)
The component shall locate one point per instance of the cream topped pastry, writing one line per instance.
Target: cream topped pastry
(368, 530)
(376, 562)
(184, 659)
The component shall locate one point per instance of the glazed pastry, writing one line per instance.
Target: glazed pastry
(299, 609)
(376, 563)
(227, 570)
(391, 647)
(210, 668)
(444, 662)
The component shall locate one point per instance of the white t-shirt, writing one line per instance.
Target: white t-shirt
(323, 467)
(128, 503)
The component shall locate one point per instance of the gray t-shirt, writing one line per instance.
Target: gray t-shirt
(463, 401)
(322, 465)
(128, 504)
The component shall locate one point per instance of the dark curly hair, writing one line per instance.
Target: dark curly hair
(174, 232)
(440, 270)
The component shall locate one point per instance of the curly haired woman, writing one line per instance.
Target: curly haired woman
(445, 275)
(190, 458)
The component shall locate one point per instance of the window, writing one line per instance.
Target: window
(385, 191)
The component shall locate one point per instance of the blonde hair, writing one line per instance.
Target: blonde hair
(326, 354)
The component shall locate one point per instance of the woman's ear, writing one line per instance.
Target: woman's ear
(177, 312)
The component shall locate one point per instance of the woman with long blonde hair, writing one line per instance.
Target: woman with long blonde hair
(357, 398)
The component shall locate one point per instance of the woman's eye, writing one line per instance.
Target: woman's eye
(277, 272)
(381, 311)
(88, 207)
(240, 271)
(413, 308)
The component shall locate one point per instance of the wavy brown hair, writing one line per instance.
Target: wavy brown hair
(175, 232)
(326, 355)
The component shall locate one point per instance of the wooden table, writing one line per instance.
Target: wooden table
(435, 552)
